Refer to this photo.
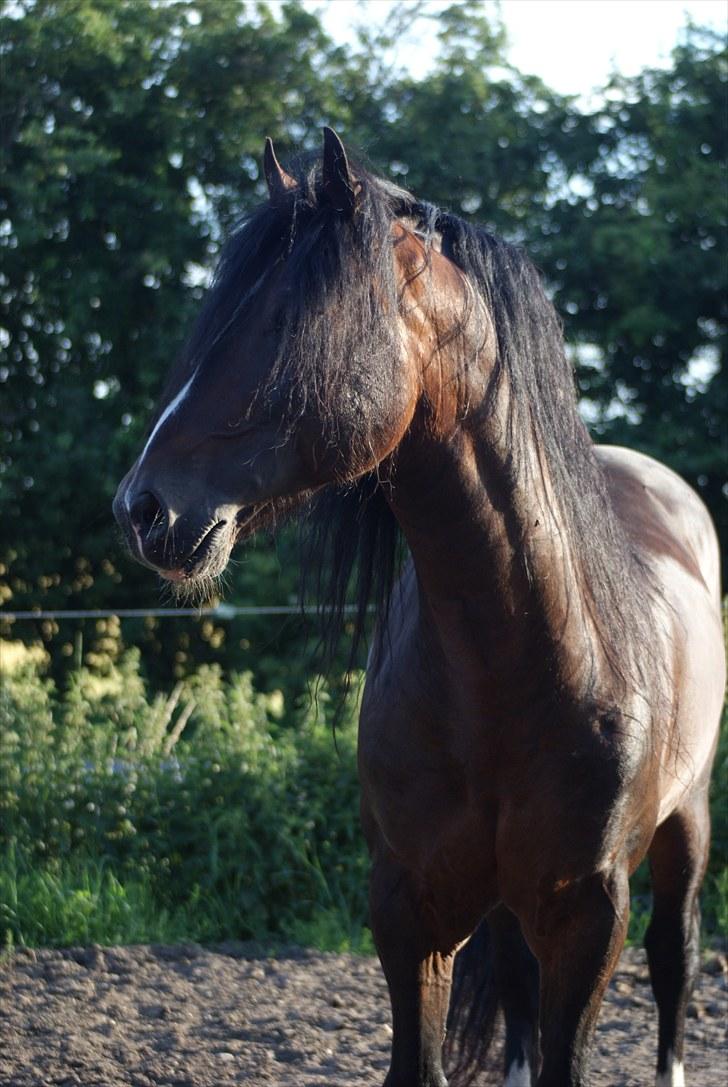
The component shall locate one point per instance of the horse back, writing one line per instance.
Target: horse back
(673, 534)
(663, 516)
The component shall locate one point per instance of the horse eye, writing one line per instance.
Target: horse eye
(275, 326)
(236, 428)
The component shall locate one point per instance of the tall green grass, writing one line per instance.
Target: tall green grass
(211, 813)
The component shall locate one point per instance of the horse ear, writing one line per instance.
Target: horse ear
(339, 184)
(279, 182)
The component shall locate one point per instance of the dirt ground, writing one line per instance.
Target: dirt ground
(197, 1017)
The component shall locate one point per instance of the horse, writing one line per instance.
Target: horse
(544, 684)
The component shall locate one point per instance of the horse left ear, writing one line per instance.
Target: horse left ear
(339, 184)
(279, 182)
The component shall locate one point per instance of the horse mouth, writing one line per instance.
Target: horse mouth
(206, 559)
(211, 552)
(197, 560)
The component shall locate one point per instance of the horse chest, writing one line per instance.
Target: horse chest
(556, 800)
(418, 793)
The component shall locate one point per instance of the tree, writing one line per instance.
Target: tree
(474, 135)
(636, 250)
(131, 137)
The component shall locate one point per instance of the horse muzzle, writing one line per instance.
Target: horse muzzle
(179, 547)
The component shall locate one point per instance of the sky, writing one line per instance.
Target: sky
(572, 44)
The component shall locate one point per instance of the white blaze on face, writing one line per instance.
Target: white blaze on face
(674, 1075)
(168, 413)
(184, 392)
(519, 1075)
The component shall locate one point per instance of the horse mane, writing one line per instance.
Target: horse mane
(353, 550)
(543, 407)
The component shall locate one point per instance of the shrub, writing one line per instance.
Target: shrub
(210, 813)
(212, 808)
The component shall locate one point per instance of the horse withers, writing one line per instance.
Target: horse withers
(544, 686)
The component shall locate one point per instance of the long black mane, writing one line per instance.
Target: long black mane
(322, 257)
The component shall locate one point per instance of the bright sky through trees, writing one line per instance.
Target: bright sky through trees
(572, 44)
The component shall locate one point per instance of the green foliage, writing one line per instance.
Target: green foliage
(474, 136)
(211, 813)
(635, 246)
(81, 902)
(131, 135)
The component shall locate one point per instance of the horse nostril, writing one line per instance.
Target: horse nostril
(147, 512)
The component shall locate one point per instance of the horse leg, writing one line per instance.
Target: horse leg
(577, 934)
(678, 857)
(516, 975)
(417, 964)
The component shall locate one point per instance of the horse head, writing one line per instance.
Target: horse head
(301, 370)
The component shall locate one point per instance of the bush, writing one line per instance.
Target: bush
(208, 814)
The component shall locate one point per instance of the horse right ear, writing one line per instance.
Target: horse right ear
(279, 182)
(339, 184)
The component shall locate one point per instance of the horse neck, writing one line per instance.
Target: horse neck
(501, 585)
(503, 582)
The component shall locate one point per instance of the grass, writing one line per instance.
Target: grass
(83, 902)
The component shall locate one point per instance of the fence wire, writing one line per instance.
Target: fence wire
(222, 611)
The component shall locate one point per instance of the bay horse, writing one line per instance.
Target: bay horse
(544, 687)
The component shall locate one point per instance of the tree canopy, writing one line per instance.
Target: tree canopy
(636, 252)
(131, 137)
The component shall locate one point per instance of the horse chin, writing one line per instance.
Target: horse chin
(251, 519)
(197, 577)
